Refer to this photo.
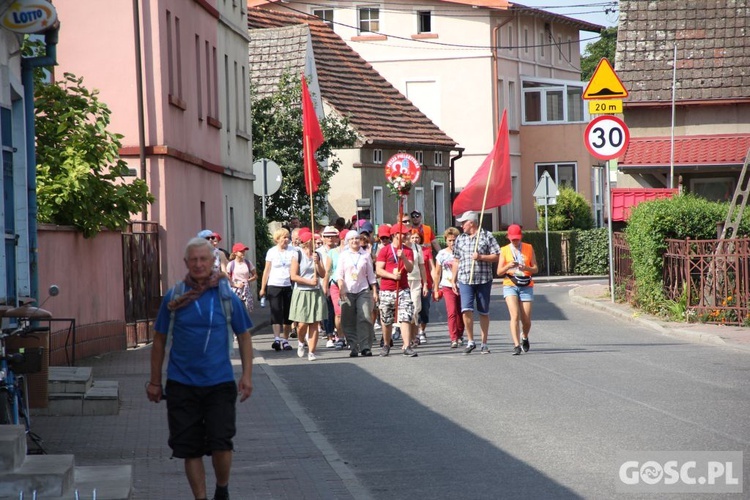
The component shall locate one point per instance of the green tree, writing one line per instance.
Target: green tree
(80, 176)
(571, 211)
(606, 46)
(277, 135)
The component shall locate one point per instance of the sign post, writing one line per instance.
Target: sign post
(267, 179)
(606, 137)
(546, 194)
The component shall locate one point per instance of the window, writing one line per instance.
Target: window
(512, 120)
(377, 205)
(326, 15)
(510, 37)
(570, 50)
(541, 45)
(526, 40)
(559, 49)
(209, 98)
(714, 188)
(170, 58)
(244, 99)
(419, 156)
(438, 200)
(438, 158)
(564, 174)
(226, 90)
(549, 101)
(377, 156)
(419, 199)
(198, 76)
(424, 21)
(369, 19)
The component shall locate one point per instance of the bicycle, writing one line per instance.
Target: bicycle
(14, 406)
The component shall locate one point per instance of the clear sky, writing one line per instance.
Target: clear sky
(602, 12)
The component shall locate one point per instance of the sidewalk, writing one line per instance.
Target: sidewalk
(598, 296)
(278, 454)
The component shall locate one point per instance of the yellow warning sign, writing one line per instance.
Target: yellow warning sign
(605, 84)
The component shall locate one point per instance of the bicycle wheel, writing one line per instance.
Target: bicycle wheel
(6, 407)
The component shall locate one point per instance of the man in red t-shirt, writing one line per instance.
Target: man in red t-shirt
(393, 264)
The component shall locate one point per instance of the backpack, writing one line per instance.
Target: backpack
(230, 267)
(225, 293)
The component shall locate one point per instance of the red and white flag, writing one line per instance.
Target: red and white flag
(312, 138)
(495, 171)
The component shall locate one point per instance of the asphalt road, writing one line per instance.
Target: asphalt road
(551, 423)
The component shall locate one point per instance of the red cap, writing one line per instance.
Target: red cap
(514, 232)
(384, 230)
(239, 247)
(305, 236)
(218, 236)
(399, 228)
(342, 234)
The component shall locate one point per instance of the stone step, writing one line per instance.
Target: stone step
(110, 482)
(70, 379)
(12, 447)
(51, 476)
(102, 398)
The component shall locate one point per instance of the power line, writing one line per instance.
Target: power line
(432, 42)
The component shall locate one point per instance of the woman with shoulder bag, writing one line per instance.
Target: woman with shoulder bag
(517, 265)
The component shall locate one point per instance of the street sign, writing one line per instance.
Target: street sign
(403, 165)
(606, 137)
(604, 83)
(267, 179)
(608, 107)
(546, 190)
(28, 16)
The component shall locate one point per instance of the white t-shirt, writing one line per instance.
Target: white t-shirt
(444, 259)
(280, 262)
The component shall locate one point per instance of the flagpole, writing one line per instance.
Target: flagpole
(400, 221)
(308, 176)
(481, 216)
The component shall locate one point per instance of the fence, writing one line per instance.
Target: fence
(142, 287)
(714, 276)
(711, 276)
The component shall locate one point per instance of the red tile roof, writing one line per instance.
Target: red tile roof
(623, 199)
(704, 150)
(713, 50)
(379, 112)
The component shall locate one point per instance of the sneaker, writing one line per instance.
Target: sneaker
(276, 346)
(423, 339)
(460, 341)
(470, 348)
(293, 333)
(339, 345)
(285, 345)
(366, 353)
(454, 344)
(301, 350)
(330, 344)
(410, 352)
(385, 351)
(396, 333)
(517, 350)
(525, 344)
(311, 356)
(485, 349)
(354, 354)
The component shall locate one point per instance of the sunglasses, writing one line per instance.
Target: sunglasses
(211, 238)
(405, 221)
(416, 216)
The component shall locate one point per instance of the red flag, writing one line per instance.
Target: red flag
(499, 193)
(312, 138)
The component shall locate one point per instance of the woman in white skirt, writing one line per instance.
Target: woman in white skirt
(308, 306)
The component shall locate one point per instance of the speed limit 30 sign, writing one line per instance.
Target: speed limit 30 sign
(606, 137)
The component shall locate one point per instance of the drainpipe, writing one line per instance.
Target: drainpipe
(453, 175)
(139, 92)
(27, 78)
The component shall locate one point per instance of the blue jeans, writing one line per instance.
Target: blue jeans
(479, 292)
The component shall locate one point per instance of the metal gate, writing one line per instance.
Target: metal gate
(142, 284)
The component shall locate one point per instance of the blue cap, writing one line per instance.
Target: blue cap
(366, 227)
(205, 233)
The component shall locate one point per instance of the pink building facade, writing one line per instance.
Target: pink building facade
(196, 148)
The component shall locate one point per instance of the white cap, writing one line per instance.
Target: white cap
(470, 215)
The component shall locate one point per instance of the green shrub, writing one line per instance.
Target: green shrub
(652, 223)
(592, 252)
(571, 211)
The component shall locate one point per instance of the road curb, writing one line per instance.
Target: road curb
(653, 323)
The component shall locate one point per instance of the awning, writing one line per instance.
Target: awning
(653, 153)
(623, 199)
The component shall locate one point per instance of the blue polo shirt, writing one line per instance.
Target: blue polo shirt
(199, 355)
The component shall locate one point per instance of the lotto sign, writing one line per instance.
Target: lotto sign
(606, 137)
(403, 165)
